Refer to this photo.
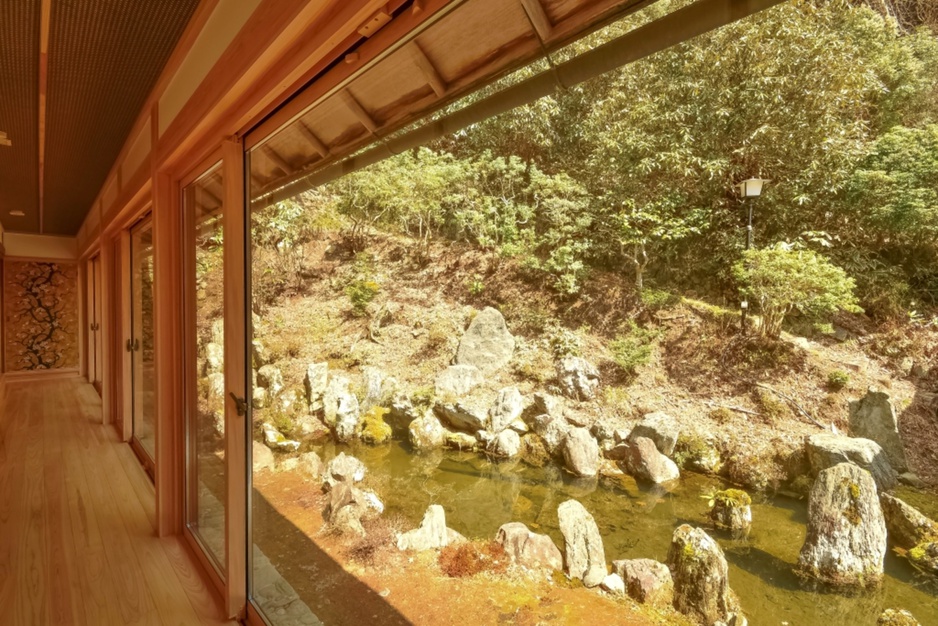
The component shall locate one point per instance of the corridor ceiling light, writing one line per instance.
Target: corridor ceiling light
(17, 214)
(4, 140)
(751, 187)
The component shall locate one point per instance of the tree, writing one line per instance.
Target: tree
(782, 279)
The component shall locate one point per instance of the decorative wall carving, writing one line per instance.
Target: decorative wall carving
(41, 312)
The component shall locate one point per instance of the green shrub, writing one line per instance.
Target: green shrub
(773, 409)
(634, 348)
(563, 341)
(363, 287)
(655, 299)
(781, 280)
(838, 379)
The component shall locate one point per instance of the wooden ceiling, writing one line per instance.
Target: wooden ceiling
(73, 77)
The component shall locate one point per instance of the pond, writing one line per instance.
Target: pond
(636, 521)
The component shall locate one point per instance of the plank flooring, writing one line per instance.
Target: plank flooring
(77, 538)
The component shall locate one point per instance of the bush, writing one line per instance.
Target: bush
(838, 379)
(633, 349)
(783, 280)
(363, 287)
(471, 558)
(656, 299)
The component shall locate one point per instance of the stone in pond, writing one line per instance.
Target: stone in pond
(905, 525)
(644, 461)
(584, 555)
(661, 428)
(581, 452)
(826, 450)
(529, 549)
(732, 509)
(646, 581)
(701, 576)
(897, 617)
(506, 410)
(506, 444)
(426, 433)
(846, 538)
(487, 344)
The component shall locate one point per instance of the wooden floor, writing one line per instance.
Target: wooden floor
(77, 541)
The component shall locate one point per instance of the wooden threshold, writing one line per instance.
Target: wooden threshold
(78, 541)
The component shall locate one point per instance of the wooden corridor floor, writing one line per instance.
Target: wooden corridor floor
(77, 539)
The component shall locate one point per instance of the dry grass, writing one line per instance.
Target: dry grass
(473, 557)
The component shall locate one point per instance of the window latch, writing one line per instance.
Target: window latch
(241, 405)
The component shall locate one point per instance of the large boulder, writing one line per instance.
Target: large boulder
(528, 549)
(553, 430)
(314, 383)
(907, 527)
(344, 468)
(431, 534)
(584, 555)
(457, 381)
(581, 452)
(846, 538)
(276, 439)
(375, 382)
(644, 461)
(506, 444)
(426, 433)
(487, 344)
(578, 378)
(469, 415)
(270, 378)
(701, 576)
(661, 428)
(874, 417)
(506, 410)
(826, 450)
(646, 581)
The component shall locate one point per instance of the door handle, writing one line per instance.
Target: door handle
(136, 345)
(241, 405)
(129, 346)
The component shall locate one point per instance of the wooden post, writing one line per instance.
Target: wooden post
(236, 300)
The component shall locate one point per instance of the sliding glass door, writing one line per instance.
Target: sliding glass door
(95, 344)
(140, 343)
(205, 365)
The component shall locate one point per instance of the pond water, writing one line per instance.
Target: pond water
(636, 521)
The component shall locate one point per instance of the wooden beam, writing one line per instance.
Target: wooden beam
(312, 139)
(278, 160)
(359, 111)
(429, 71)
(539, 18)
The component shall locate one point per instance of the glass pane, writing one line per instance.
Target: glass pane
(205, 338)
(142, 363)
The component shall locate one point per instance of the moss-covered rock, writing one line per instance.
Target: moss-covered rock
(731, 509)
(374, 429)
(897, 617)
(924, 557)
(701, 576)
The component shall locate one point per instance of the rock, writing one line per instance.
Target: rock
(260, 356)
(457, 381)
(275, 439)
(431, 534)
(507, 409)
(270, 378)
(310, 465)
(533, 451)
(214, 359)
(426, 433)
(529, 549)
(912, 480)
(661, 428)
(701, 576)
(218, 331)
(906, 526)
(581, 452)
(340, 408)
(846, 538)
(698, 453)
(487, 344)
(553, 430)
(827, 450)
(578, 378)
(289, 401)
(925, 557)
(344, 468)
(646, 581)
(584, 556)
(374, 380)
(732, 509)
(506, 444)
(466, 415)
(375, 430)
(896, 617)
(642, 460)
(347, 522)
(460, 441)
(874, 417)
(309, 426)
(544, 403)
(259, 398)
(261, 457)
(315, 382)
(216, 386)
(613, 584)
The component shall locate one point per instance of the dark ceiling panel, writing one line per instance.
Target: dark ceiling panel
(19, 113)
(104, 58)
